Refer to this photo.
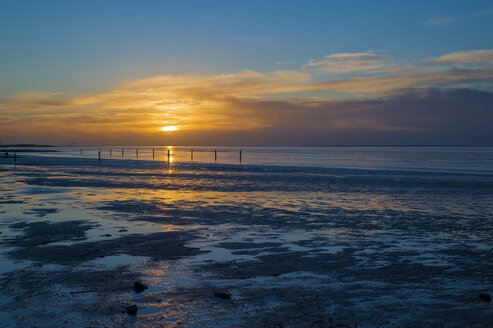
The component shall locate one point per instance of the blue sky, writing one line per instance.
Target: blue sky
(92, 47)
(79, 46)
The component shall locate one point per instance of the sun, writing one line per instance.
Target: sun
(169, 128)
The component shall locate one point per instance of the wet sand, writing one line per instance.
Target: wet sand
(242, 245)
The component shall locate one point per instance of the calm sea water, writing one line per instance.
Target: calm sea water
(446, 159)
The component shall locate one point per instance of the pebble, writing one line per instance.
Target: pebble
(139, 287)
(223, 296)
(485, 297)
(132, 309)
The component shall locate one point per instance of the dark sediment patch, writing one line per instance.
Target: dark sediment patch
(73, 291)
(41, 212)
(192, 213)
(252, 248)
(248, 245)
(163, 245)
(33, 243)
(183, 213)
(11, 202)
(281, 263)
(62, 296)
(291, 290)
(41, 233)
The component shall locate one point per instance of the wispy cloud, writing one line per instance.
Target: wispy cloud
(439, 21)
(286, 62)
(348, 62)
(253, 39)
(472, 56)
(486, 12)
(448, 20)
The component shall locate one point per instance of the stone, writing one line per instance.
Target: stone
(139, 287)
(223, 296)
(485, 297)
(132, 309)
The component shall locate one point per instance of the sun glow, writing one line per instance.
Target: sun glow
(169, 128)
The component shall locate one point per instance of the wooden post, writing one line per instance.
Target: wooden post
(215, 156)
(168, 155)
(122, 152)
(191, 154)
(110, 152)
(137, 152)
(81, 150)
(99, 156)
(152, 153)
(240, 156)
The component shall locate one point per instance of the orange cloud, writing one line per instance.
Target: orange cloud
(231, 102)
(472, 56)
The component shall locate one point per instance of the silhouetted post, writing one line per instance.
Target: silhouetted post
(168, 155)
(137, 152)
(122, 152)
(110, 152)
(81, 151)
(240, 156)
(152, 153)
(191, 154)
(15, 157)
(215, 156)
(99, 156)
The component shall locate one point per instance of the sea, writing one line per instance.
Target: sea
(440, 159)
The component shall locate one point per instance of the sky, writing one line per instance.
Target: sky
(246, 73)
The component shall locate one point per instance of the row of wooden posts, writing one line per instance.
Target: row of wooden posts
(137, 154)
(15, 156)
(153, 154)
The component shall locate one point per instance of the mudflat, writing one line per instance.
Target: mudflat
(151, 244)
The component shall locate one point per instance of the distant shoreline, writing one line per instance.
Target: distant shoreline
(26, 145)
(270, 146)
(237, 146)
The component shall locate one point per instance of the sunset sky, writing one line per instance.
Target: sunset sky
(246, 72)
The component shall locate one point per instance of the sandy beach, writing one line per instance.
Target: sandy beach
(229, 245)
